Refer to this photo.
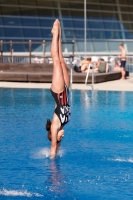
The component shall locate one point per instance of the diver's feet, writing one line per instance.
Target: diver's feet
(55, 29)
(59, 29)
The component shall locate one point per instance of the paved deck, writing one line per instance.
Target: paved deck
(117, 85)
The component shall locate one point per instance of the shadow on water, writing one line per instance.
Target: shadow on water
(55, 180)
(56, 185)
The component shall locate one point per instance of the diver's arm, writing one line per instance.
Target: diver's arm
(58, 146)
(53, 148)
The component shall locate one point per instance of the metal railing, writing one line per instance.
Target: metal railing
(92, 75)
(30, 56)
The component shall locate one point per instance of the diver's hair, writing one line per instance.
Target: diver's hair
(48, 127)
(101, 59)
(121, 45)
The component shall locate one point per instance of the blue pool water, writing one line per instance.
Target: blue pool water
(96, 156)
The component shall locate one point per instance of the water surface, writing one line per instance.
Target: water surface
(96, 156)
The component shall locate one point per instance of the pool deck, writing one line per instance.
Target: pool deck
(117, 85)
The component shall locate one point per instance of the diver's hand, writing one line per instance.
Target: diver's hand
(52, 156)
(53, 150)
(60, 135)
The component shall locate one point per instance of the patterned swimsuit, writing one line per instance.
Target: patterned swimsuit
(62, 109)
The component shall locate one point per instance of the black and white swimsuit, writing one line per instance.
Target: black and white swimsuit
(62, 109)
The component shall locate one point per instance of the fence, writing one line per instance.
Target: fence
(28, 57)
(129, 64)
(34, 57)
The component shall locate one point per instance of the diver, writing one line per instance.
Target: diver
(59, 91)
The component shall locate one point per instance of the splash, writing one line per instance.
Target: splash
(42, 153)
(24, 193)
(45, 153)
(129, 160)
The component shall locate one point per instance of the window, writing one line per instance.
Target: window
(127, 26)
(37, 47)
(68, 24)
(111, 25)
(67, 48)
(80, 45)
(11, 21)
(88, 34)
(76, 5)
(129, 46)
(94, 15)
(110, 16)
(9, 10)
(4, 47)
(126, 17)
(46, 33)
(46, 22)
(79, 33)
(127, 2)
(32, 33)
(1, 21)
(131, 16)
(92, 1)
(100, 46)
(11, 2)
(108, 8)
(114, 46)
(93, 7)
(18, 47)
(124, 9)
(46, 3)
(30, 21)
(64, 4)
(78, 23)
(95, 24)
(77, 15)
(98, 34)
(114, 34)
(48, 12)
(66, 14)
(128, 35)
(107, 1)
(69, 33)
(28, 3)
(33, 20)
(89, 46)
(24, 11)
(13, 32)
(1, 32)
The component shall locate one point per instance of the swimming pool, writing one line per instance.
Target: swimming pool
(96, 156)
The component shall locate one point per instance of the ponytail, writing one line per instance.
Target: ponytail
(48, 127)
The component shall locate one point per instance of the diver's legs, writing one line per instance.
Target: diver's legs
(58, 78)
(63, 64)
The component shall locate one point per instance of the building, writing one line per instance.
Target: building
(109, 23)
